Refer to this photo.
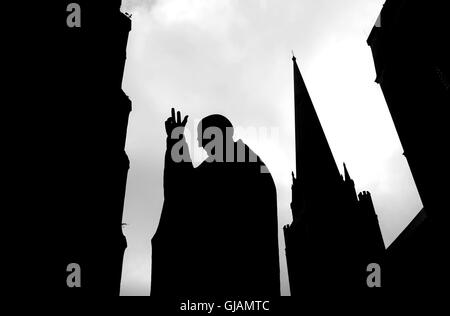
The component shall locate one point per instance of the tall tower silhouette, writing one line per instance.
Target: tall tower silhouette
(332, 226)
(412, 69)
(416, 85)
(97, 131)
(82, 161)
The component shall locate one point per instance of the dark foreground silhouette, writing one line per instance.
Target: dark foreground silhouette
(416, 86)
(218, 230)
(73, 176)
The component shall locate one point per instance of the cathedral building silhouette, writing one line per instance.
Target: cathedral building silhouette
(335, 233)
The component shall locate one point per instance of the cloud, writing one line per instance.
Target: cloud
(131, 5)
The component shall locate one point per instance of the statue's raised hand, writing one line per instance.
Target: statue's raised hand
(175, 126)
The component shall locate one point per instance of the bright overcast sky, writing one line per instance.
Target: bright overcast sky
(233, 57)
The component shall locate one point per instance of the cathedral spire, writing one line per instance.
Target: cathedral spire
(348, 182)
(315, 164)
(347, 175)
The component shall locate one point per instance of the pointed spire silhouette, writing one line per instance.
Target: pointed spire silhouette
(314, 160)
(347, 175)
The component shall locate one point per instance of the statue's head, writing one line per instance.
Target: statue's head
(215, 128)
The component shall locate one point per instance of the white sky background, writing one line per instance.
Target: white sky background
(233, 57)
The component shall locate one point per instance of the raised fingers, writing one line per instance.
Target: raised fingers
(185, 120)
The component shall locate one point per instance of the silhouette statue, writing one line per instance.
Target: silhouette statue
(218, 232)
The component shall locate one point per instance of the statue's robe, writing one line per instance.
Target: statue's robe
(218, 232)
